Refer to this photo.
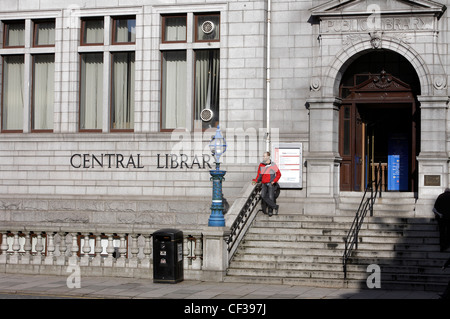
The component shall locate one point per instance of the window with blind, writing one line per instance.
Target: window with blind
(92, 31)
(122, 91)
(13, 93)
(91, 91)
(14, 34)
(124, 30)
(44, 33)
(43, 92)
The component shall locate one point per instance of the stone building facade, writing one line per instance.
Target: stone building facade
(145, 159)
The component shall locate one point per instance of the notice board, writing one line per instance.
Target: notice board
(289, 159)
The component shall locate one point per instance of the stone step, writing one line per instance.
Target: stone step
(297, 224)
(383, 200)
(385, 195)
(290, 251)
(359, 253)
(313, 282)
(251, 258)
(380, 235)
(336, 283)
(339, 233)
(394, 208)
(387, 272)
(435, 263)
(299, 219)
(317, 274)
(439, 279)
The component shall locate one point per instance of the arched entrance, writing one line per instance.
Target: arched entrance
(379, 122)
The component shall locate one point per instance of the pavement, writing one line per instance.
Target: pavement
(130, 288)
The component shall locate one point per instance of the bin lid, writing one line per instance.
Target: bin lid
(168, 232)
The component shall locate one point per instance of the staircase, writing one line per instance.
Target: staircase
(301, 249)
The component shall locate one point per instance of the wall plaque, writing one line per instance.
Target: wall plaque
(432, 180)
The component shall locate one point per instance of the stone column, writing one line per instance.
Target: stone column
(433, 158)
(322, 158)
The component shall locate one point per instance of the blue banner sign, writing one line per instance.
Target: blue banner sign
(398, 163)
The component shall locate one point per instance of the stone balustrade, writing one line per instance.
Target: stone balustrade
(96, 253)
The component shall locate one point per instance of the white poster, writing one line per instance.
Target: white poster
(289, 159)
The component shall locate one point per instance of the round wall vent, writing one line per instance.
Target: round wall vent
(206, 115)
(208, 27)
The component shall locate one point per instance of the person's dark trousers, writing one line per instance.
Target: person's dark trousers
(444, 232)
(446, 293)
(268, 197)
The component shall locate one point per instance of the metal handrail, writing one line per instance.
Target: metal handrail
(246, 214)
(366, 204)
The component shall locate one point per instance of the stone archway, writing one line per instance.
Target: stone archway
(324, 104)
(346, 56)
(379, 123)
(343, 36)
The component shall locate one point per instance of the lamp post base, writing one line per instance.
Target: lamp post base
(216, 219)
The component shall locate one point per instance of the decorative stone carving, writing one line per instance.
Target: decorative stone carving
(375, 39)
(349, 39)
(440, 82)
(406, 38)
(315, 84)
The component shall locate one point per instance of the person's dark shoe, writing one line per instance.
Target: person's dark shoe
(270, 212)
(276, 209)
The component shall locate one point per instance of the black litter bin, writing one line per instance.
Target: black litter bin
(168, 256)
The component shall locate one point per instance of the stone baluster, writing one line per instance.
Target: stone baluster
(197, 262)
(146, 262)
(97, 260)
(3, 249)
(109, 260)
(84, 261)
(133, 261)
(50, 258)
(39, 247)
(61, 259)
(121, 261)
(186, 252)
(26, 257)
(14, 257)
(73, 259)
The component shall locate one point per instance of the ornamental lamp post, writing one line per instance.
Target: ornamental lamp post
(218, 146)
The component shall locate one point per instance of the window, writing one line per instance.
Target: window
(12, 93)
(44, 33)
(124, 30)
(28, 76)
(174, 28)
(207, 27)
(183, 100)
(14, 34)
(43, 92)
(92, 31)
(107, 74)
(207, 83)
(122, 91)
(91, 91)
(174, 81)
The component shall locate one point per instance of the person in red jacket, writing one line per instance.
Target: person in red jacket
(268, 175)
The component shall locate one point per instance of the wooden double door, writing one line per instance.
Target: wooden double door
(377, 125)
